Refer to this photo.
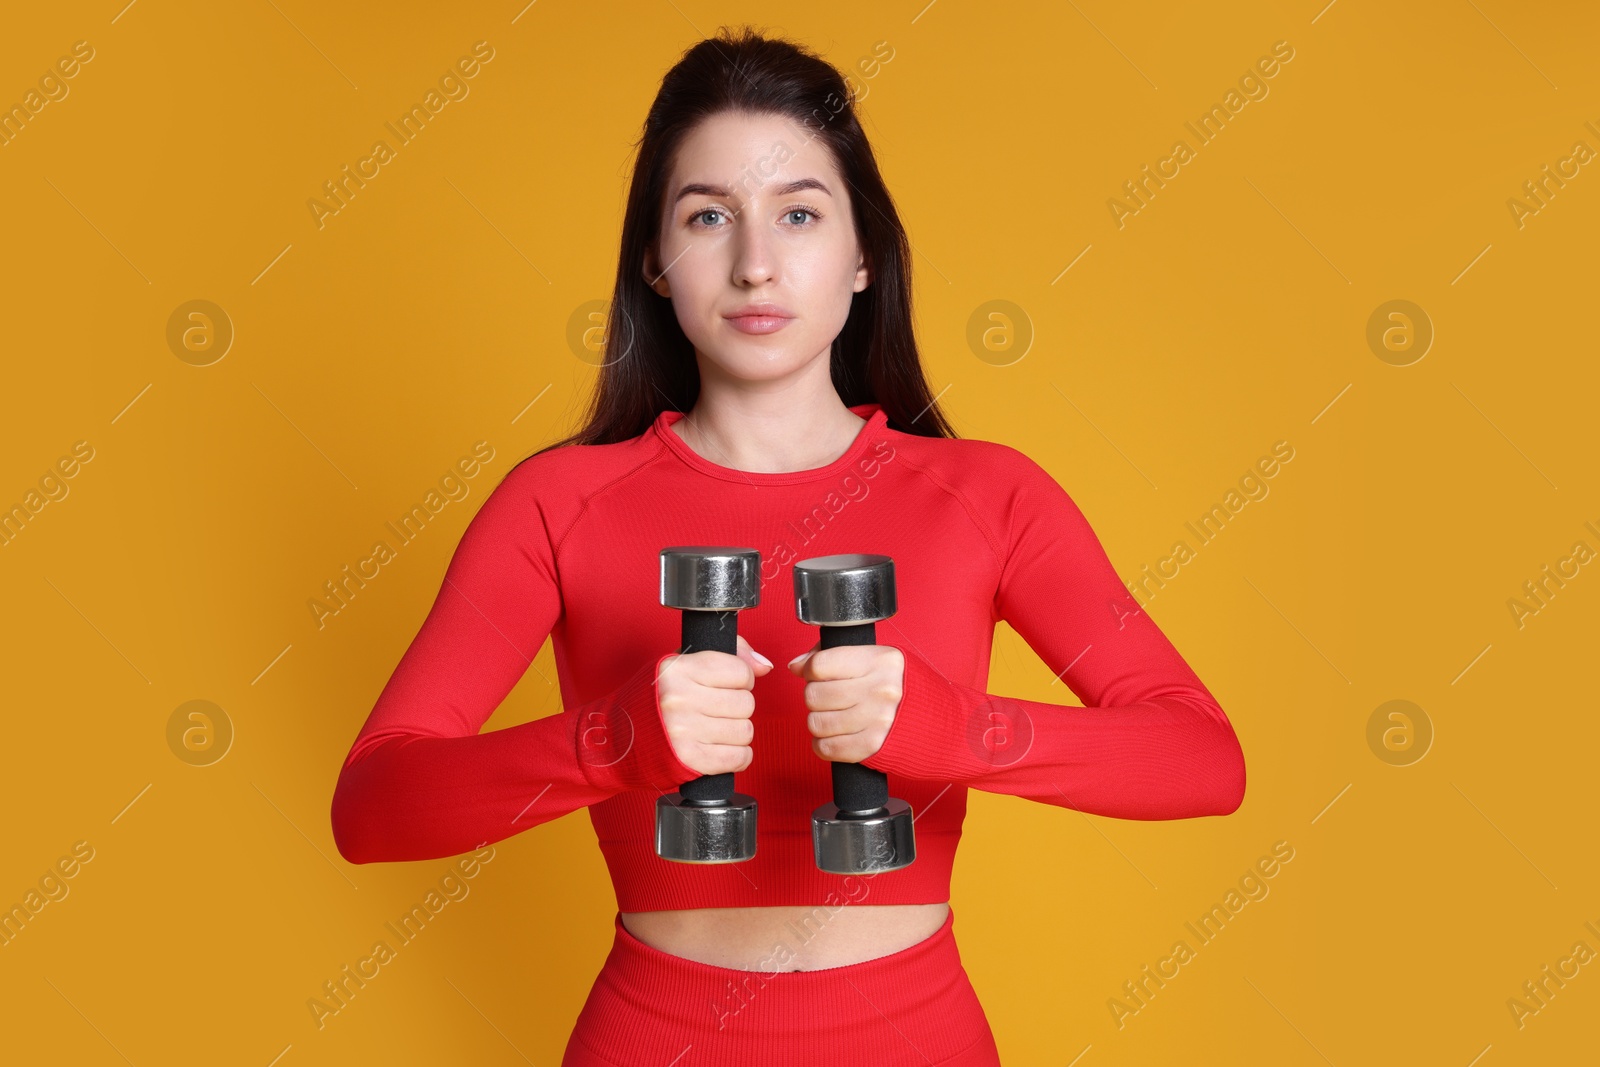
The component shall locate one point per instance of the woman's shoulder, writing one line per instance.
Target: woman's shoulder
(568, 474)
(979, 468)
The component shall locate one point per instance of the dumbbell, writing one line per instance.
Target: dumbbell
(705, 821)
(864, 829)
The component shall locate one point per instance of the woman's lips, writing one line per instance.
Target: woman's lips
(758, 323)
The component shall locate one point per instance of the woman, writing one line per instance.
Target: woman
(762, 388)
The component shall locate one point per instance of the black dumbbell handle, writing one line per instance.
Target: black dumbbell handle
(718, 631)
(858, 790)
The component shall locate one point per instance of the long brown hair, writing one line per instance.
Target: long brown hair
(649, 364)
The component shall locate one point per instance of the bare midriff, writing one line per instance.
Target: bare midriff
(801, 937)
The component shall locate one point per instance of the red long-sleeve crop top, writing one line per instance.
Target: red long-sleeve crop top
(568, 546)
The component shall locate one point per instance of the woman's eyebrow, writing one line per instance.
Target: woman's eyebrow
(783, 190)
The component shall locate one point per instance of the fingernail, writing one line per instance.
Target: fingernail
(797, 659)
(760, 657)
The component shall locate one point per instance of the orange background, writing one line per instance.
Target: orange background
(436, 309)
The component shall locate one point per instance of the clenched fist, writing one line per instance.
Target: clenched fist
(852, 694)
(706, 703)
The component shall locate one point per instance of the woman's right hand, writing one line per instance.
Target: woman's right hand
(706, 702)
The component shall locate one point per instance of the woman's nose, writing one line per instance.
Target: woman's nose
(754, 257)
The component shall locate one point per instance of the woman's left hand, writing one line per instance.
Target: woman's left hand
(852, 694)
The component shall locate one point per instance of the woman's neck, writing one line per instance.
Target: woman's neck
(770, 440)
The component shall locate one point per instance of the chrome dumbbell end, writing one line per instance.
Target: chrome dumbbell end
(719, 831)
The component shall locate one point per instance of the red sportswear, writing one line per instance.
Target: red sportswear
(568, 546)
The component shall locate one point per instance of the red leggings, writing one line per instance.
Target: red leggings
(652, 1009)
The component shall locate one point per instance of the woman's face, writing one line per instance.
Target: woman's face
(756, 214)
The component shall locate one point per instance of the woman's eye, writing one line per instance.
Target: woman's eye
(699, 217)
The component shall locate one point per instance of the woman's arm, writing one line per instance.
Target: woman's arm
(1150, 743)
(420, 781)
